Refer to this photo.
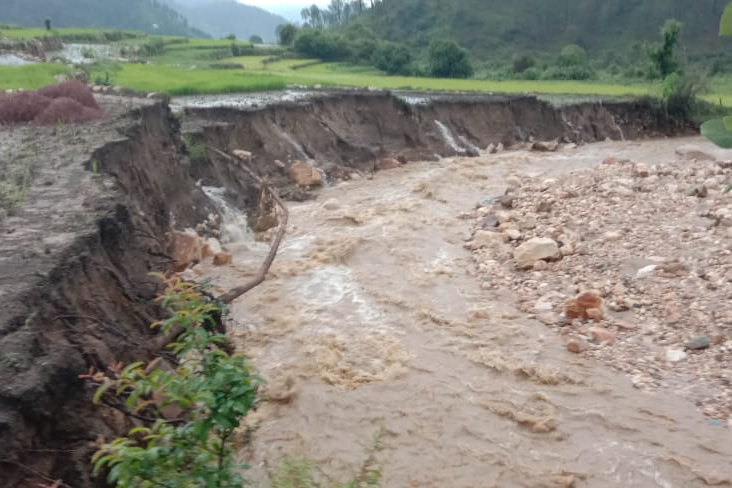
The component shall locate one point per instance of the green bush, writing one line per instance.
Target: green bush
(521, 62)
(322, 44)
(152, 47)
(286, 34)
(573, 55)
(210, 390)
(393, 58)
(448, 60)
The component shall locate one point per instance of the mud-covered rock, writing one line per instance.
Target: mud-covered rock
(305, 174)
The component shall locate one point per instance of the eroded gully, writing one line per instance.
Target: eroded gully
(372, 322)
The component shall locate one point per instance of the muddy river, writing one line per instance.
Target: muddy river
(373, 325)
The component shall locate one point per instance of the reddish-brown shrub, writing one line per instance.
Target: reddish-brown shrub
(66, 109)
(71, 89)
(21, 107)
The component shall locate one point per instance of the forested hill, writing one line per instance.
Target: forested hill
(152, 16)
(490, 27)
(223, 17)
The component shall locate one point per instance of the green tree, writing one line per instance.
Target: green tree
(256, 39)
(448, 60)
(665, 56)
(47, 23)
(286, 34)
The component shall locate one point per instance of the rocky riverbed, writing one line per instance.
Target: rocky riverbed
(649, 243)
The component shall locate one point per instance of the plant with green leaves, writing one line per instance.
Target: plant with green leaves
(719, 131)
(191, 413)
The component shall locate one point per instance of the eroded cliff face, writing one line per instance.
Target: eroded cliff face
(348, 131)
(76, 255)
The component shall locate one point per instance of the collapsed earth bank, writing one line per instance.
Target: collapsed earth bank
(100, 198)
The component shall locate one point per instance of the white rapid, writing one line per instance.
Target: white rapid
(372, 321)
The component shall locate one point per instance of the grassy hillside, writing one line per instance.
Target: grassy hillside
(223, 17)
(492, 28)
(141, 15)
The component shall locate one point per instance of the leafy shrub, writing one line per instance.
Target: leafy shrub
(152, 47)
(256, 39)
(665, 56)
(522, 62)
(323, 44)
(448, 60)
(393, 58)
(573, 55)
(212, 390)
(568, 73)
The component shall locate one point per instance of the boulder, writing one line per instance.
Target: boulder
(387, 163)
(601, 334)
(185, 250)
(305, 174)
(536, 249)
(545, 146)
(691, 152)
(222, 259)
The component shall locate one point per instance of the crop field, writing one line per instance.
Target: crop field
(196, 66)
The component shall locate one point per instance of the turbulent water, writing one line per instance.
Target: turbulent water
(371, 322)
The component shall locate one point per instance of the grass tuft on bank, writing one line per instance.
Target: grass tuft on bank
(29, 76)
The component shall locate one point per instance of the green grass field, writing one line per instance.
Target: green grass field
(30, 76)
(72, 32)
(182, 81)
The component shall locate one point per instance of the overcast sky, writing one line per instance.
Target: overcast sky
(287, 8)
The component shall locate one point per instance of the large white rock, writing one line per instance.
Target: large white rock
(536, 249)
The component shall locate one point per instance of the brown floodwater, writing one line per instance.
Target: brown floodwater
(371, 324)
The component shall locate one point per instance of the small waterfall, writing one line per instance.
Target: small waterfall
(234, 225)
(449, 138)
(619, 129)
(299, 150)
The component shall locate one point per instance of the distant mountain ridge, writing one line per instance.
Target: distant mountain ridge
(151, 16)
(223, 17)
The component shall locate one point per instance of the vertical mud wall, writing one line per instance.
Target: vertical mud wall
(93, 303)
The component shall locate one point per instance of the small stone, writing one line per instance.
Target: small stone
(595, 314)
(578, 308)
(388, 163)
(507, 201)
(540, 265)
(612, 236)
(528, 223)
(601, 334)
(646, 272)
(331, 204)
(544, 206)
(577, 346)
(513, 234)
(675, 355)
(222, 259)
(487, 239)
(610, 161)
(542, 306)
(698, 343)
(641, 170)
(548, 318)
(279, 163)
(698, 191)
(567, 250)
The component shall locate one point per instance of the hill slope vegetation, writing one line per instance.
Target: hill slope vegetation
(149, 16)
